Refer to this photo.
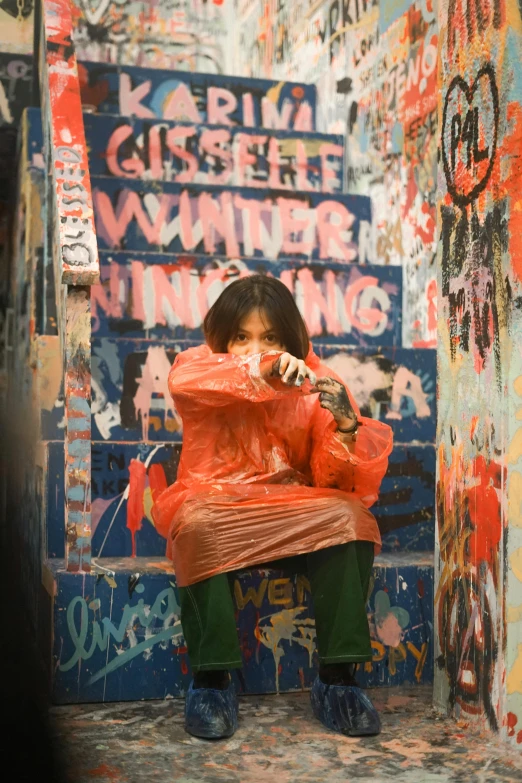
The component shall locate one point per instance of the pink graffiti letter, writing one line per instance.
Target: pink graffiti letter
(333, 240)
(210, 144)
(131, 167)
(214, 219)
(181, 105)
(181, 153)
(130, 99)
(294, 227)
(220, 104)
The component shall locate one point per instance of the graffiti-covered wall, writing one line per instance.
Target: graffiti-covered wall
(375, 67)
(479, 488)
(185, 35)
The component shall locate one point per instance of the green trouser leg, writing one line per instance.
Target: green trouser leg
(209, 624)
(339, 579)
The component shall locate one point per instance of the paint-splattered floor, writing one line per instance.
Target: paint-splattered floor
(278, 741)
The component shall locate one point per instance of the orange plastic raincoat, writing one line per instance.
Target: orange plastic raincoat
(262, 473)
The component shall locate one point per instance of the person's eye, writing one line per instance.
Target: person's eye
(240, 338)
(271, 338)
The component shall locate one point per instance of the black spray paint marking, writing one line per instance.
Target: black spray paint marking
(465, 131)
(477, 295)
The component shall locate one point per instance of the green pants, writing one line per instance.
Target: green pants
(339, 579)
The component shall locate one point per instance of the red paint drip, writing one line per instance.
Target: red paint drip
(420, 588)
(484, 511)
(135, 509)
(157, 481)
(258, 617)
(512, 721)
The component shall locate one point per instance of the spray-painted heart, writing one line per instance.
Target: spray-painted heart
(468, 154)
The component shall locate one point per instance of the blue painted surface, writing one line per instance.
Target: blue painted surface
(52, 422)
(374, 376)
(118, 366)
(333, 298)
(145, 149)
(93, 620)
(110, 477)
(135, 215)
(390, 11)
(155, 88)
(108, 646)
(406, 506)
(34, 135)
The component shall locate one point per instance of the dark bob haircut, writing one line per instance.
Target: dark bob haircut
(258, 292)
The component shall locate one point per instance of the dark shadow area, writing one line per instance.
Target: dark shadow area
(24, 698)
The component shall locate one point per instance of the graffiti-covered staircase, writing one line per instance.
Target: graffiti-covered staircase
(197, 180)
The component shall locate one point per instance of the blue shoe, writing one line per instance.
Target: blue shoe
(211, 713)
(345, 709)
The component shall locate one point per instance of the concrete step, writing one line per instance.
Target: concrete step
(188, 153)
(117, 634)
(166, 296)
(197, 97)
(394, 385)
(235, 222)
(405, 510)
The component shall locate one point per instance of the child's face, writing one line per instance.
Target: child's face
(255, 335)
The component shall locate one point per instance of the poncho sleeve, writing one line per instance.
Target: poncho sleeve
(213, 379)
(359, 471)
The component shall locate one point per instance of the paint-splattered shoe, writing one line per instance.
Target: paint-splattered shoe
(345, 709)
(211, 713)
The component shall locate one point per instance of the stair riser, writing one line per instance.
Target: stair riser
(393, 385)
(169, 296)
(398, 386)
(185, 153)
(242, 222)
(405, 508)
(197, 97)
(111, 644)
(213, 155)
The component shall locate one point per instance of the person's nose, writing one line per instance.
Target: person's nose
(255, 346)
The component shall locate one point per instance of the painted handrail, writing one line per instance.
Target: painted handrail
(75, 260)
(78, 250)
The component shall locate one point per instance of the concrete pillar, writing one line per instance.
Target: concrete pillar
(478, 604)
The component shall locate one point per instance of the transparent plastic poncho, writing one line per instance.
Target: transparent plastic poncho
(262, 474)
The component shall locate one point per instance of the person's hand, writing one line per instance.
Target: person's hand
(292, 371)
(334, 397)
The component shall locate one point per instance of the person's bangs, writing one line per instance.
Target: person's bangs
(274, 302)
